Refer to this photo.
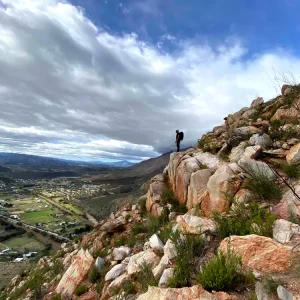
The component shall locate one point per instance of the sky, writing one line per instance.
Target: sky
(112, 80)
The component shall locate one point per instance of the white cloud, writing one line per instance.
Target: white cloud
(70, 88)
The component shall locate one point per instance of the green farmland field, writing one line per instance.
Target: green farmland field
(38, 217)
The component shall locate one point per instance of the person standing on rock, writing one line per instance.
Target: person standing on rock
(179, 138)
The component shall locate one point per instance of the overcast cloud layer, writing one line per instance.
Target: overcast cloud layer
(72, 90)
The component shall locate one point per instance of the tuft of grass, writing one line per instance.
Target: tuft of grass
(188, 249)
(80, 290)
(168, 197)
(142, 205)
(127, 217)
(93, 274)
(261, 186)
(146, 277)
(56, 297)
(241, 222)
(270, 285)
(166, 233)
(224, 272)
(291, 171)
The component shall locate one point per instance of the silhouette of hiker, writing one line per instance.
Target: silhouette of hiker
(179, 138)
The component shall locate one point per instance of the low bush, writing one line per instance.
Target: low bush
(245, 219)
(261, 185)
(168, 197)
(290, 170)
(224, 272)
(56, 297)
(120, 241)
(165, 233)
(142, 205)
(93, 274)
(80, 290)
(57, 267)
(188, 248)
(270, 285)
(138, 228)
(127, 217)
(146, 277)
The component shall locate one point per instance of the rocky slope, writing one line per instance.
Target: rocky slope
(223, 223)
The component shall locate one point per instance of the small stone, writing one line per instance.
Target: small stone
(156, 243)
(99, 263)
(285, 146)
(166, 276)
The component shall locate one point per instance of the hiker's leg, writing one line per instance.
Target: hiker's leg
(178, 146)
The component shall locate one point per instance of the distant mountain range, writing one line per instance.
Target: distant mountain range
(17, 159)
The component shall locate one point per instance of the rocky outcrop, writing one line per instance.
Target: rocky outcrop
(120, 253)
(289, 205)
(259, 253)
(222, 183)
(260, 140)
(187, 293)
(75, 274)
(145, 257)
(197, 187)
(155, 192)
(286, 232)
(195, 225)
(293, 156)
(113, 225)
(115, 272)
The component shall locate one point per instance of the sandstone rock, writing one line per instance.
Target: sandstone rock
(222, 182)
(248, 113)
(91, 295)
(99, 263)
(284, 231)
(195, 225)
(166, 276)
(293, 141)
(120, 253)
(156, 189)
(261, 294)
(284, 88)
(197, 187)
(186, 293)
(259, 253)
(148, 257)
(155, 243)
(252, 151)
(75, 274)
(112, 226)
(115, 272)
(285, 146)
(172, 216)
(170, 250)
(237, 152)
(284, 294)
(246, 130)
(277, 153)
(252, 166)
(117, 283)
(257, 102)
(290, 113)
(260, 140)
(159, 269)
(208, 159)
(293, 156)
(288, 205)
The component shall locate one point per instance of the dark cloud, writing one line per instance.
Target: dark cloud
(68, 88)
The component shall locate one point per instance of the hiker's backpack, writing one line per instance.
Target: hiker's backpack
(181, 136)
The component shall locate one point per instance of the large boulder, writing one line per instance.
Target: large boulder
(262, 140)
(254, 167)
(195, 225)
(159, 269)
(115, 225)
(252, 151)
(293, 156)
(289, 205)
(155, 243)
(120, 253)
(259, 253)
(170, 250)
(197, 187)
(117, 283)
(285, 231)
(75, 274)
(136, 261)
(237, 152)
(115, 272)
(221, 184)
(165, 277)
(155, 191)
(246, 131)
(257, 102)
(186, 293)
(290, 113)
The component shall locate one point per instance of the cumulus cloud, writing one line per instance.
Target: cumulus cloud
(69, 88)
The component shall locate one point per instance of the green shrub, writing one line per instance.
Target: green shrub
(290, 170)
(120, 241)
(153, 224)
(146, 277)
(188, 248)
(57, 267)
(80, 290)
(93, 274)
(129, 288)
(56, 297)
(127, 217)
(168, 197)
(224, 272)
(270, 285)
(138, 228)
(165, 233)
(261, 186)
(242, 221)
(142, 205)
